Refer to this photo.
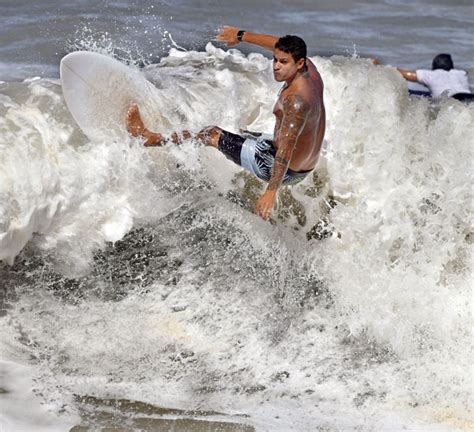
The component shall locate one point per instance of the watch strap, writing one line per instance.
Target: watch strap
(240, 35)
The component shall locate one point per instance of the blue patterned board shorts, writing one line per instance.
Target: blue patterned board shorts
(256, 154)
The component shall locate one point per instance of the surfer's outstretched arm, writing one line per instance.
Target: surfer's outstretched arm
(230, 35)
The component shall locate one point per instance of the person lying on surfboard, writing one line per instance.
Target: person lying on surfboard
(300, 120)
(442, 80)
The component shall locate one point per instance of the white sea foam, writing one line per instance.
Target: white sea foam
(240, 328)
(18, 380)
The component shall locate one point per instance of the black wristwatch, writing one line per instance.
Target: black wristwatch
(240, 35)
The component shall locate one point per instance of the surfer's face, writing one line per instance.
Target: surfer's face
(284, 65)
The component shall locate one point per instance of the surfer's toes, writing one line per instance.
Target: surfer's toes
(134, 121)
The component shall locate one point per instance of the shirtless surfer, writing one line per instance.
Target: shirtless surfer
(300, 120)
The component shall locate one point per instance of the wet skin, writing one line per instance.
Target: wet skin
(299, 111)
(300, 123)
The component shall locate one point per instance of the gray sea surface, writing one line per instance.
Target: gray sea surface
(34, 36)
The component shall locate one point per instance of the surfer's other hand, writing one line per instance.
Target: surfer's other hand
(265, 204)
(228, 35)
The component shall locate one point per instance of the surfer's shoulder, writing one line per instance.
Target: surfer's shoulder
(294, 101)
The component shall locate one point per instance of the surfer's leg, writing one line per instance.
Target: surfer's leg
(136, 128)
(210, 136)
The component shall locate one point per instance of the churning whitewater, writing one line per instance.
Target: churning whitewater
(141, 275)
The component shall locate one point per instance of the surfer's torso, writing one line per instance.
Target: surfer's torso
(309, 86)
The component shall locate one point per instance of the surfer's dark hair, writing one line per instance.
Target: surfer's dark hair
(293, 45)
(443, 61)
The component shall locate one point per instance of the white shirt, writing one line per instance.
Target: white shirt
(444, 83)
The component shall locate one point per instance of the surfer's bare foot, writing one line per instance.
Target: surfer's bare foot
(134, 121)
(136, 128)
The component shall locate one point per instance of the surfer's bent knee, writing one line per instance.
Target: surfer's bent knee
(210, 135)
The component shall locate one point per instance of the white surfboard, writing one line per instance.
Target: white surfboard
(98, 91)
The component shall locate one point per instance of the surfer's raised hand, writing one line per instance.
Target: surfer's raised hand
(228, 35)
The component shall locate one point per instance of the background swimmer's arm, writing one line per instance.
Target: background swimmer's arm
(295, 113)
(408, 75)
(229, 35)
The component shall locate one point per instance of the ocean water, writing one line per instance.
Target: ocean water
(139, 291)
